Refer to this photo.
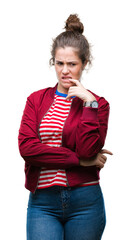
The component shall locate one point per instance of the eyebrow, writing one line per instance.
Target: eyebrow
(67, 61)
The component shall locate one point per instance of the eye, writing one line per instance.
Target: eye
(72, 64)
(59, 63)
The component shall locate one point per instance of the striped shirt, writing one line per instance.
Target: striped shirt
(50, 130)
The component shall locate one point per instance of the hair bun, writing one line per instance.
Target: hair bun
(74, 24)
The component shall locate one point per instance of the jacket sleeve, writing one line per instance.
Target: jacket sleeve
(92, 130)
(36, 153)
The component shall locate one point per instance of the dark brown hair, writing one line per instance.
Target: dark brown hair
(72, 37)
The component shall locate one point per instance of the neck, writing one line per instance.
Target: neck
(62, 90)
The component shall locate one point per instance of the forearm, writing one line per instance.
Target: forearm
(92, 130)
(38, 154)
(87, 162)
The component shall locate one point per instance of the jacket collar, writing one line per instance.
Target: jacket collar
(53, 90)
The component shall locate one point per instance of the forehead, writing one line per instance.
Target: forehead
(67, 54)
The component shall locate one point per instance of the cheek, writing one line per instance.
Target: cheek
(57, 71)
(78, 72)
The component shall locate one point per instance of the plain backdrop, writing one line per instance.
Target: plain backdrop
(27, 28)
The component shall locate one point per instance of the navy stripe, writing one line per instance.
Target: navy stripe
(62, 94)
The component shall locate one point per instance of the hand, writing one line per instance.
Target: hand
(79, 91)
(99, 161)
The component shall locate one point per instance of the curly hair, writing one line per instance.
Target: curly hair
(72, 37)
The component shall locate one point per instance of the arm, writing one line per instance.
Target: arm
(36, 153)
(92, 128)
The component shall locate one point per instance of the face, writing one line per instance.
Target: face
(67, 65)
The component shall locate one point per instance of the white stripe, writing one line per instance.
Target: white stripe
(48, 185)
(51, 124)
(56, 108)
(54, 116)
(52, 121)
(50, 175)
(53, 137)
(53, 129)
(53, 170)
(48, 172)
(53, 175)
(62, 99)
(62, 111)
(52, 179)
(53, 145)
(62, 106)
(54, 141)
(90, 183)
(50, 133)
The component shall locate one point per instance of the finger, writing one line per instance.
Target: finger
(71, 93)
(69, 96)
(105, 151)
(100, 165)
(103, 158)
(73, 88)
(76, 82)
(102, 162)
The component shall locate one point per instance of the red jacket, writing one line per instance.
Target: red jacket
(83, 136)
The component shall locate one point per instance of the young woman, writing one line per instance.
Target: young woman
(62, 133)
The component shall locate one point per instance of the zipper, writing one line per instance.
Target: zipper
(37, 183)
(62, 139)
(42, 118)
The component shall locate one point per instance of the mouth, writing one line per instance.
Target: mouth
(66, 78)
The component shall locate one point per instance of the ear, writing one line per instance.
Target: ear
(84, 65)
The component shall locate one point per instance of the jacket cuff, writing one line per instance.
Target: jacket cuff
(90, 113)
(73, 160)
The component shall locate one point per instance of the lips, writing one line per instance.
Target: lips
(66, 77)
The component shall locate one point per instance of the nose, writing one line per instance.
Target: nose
(65, 69)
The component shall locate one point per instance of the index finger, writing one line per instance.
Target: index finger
(76, 82)
(106, 151)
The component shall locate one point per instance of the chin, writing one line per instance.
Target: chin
(64, 87)
(67, 85)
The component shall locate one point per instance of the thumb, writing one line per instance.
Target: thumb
(106, 152)
(68, 97)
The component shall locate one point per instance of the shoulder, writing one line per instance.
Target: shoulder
(38, 95)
